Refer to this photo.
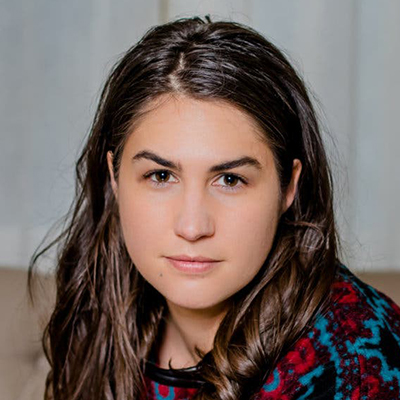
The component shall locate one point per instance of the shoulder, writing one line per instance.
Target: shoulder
(352, 350)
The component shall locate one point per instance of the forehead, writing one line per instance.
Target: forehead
(189, 128)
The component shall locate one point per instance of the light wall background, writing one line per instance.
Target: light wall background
(55, 55)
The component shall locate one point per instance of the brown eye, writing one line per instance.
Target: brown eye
(231, 180)
(159, 178)
(163, 175)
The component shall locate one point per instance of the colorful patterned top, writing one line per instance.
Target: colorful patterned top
(352, 352)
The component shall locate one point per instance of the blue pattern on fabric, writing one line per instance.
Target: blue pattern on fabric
(270, 387)
(171, 394)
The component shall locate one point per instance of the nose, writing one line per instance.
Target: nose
(194, 218)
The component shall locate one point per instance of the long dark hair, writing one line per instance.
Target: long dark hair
(107, 317)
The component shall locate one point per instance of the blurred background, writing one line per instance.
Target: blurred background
(54, 58)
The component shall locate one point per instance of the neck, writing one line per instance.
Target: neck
(186, 330)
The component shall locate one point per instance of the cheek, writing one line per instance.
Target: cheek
(142, 225)
(252, 233)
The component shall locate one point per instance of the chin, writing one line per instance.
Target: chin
(197, 302)
(191, 304)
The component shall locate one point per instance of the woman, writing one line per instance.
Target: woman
(200, 258)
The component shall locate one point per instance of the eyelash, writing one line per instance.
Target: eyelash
(242, 180)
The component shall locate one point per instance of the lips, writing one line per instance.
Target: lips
(183, 257)
(193, 265)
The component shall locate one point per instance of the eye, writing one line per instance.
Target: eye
(232, 182)
(161, 177)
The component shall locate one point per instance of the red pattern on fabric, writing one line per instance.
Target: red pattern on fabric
(303, 357)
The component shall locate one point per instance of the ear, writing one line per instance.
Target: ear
(114, 184)
(292, 187)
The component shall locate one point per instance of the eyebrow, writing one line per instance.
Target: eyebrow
(239, 162)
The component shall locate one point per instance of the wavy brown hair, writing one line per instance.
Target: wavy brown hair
(107, 317)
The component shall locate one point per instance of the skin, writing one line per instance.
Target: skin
(195, 212)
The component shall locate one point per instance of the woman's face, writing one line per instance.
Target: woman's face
(174, 200)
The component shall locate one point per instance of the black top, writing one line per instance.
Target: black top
(189, 377)
(183, 377)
